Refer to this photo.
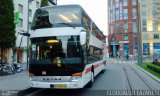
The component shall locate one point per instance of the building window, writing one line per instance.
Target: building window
(20, 8)
(121, 11)
(113, 38)
(114, 12)
(30, 12)
(135, 27)
(143, 2)
(156, 36)
(155, 25)
(125, 13)
(145, 36)
(134, 2)
(154, 8)
(134, 13)
(144, 25)
(146, 49)
(144, 11)
(111, 17)
(135, 38)
(20, 24)
(125, 27)
(117, 14)
(156, 45)
(37, 4)
(125, 2)
(111, 29)
(159, 25)
(117, 3)
(135, 46)
(149, 25)
(125, 37)
(117, 29)
(156, 49)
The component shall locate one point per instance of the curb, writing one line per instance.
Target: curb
(149, 74)
(26, 91)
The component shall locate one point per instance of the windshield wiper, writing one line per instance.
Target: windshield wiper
(67, 24)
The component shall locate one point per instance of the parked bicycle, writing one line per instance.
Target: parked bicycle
(6, 69)
(2, 69)
(12, 68)
(17, 67)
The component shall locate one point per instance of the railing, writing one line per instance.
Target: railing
(147, 58)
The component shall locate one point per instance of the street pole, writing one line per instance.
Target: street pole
(140, 61)
(28, 36)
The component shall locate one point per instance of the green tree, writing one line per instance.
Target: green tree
(44, 3)
(7, 26)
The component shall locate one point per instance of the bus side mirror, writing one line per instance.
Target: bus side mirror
(83, 37)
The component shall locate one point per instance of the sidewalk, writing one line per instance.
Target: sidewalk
(133, 63)
(18, 81)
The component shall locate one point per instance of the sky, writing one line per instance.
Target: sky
(96, 9)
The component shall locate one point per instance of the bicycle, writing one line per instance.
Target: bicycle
(6, 69)
(3, 70)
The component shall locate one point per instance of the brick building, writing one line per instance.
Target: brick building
(123, 27)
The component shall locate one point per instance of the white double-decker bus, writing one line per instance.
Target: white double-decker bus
(67, 48)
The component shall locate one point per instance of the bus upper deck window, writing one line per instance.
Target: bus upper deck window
(44, 22)
(41, 20)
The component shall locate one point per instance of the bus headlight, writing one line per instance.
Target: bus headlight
(75, 78)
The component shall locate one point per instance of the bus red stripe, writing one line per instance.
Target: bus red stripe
(96, 66)
(88, 70)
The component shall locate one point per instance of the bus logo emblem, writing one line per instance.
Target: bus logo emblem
(43, 72)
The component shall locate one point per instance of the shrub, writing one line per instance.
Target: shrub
(154, 68)
(156, 62)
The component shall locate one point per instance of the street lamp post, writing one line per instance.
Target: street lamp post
(140, 61)
(28, 33)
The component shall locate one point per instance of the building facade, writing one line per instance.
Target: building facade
(22, 11)
(150, 27)
(123, 27)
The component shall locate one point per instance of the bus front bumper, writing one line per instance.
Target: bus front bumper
(57, 85)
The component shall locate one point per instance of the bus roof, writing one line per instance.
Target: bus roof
(74, 6)
(63, 6)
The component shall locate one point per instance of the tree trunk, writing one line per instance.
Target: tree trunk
(1, 54)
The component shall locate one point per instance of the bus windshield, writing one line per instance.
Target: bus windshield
(57, 49)
(57, 17)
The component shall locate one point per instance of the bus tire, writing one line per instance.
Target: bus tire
(103, 70)
(92, 80)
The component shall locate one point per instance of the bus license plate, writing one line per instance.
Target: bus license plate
(60, 86)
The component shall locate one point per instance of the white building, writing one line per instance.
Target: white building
(21, 8)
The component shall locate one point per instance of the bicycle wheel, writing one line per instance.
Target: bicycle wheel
(8, 69)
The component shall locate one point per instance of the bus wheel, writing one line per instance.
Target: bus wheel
(103, 70)
(92, 80)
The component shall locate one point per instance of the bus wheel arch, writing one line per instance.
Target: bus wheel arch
(103, 70)
(92, 77)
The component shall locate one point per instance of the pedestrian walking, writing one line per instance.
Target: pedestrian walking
(110, 54)
(118, 54)
(127, 56)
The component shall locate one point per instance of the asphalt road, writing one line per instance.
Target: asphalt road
(119, 75)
